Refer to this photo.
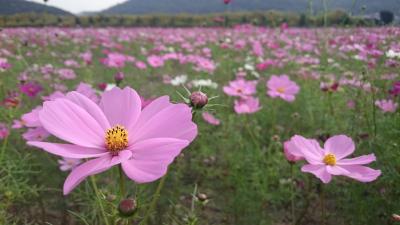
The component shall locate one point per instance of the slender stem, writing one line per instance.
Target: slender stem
(193, 198)
(292, 193)
(331, 104)
(252, 135)
(374, 111)
(322, 199)
(96, 190)
(3, 148)
(154, 201)
(121, 182)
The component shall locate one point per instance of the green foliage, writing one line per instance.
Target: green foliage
(268, 18)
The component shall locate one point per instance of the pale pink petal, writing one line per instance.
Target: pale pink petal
(319, 171)
(339, 145)
(91, 107)
(93, 167)
(361, 160)
(152, 109)
(121, 107)
(362, 173)
(174, 121)
(292, 149)
(336, 170)
(69, 122)
(68, 150)
(150, 158)
(289, 98)
(310, 149)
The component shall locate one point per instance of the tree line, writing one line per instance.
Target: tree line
(269, 18)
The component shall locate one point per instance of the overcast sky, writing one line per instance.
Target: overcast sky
(77, 6)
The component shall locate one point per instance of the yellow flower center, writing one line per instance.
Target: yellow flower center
(330, 159)
(116, 139)
(281, 90)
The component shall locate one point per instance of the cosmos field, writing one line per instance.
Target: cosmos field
(256, 126)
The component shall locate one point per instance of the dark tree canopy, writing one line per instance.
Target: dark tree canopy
(386, 16)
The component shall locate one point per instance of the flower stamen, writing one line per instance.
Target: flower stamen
(330, 159)
(280, 90)
(116, 139)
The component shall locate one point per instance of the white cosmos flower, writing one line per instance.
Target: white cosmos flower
(178, 80)
(204, 83)
(392, 54)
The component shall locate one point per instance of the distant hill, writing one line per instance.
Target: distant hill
(10, 7)
(215, 6)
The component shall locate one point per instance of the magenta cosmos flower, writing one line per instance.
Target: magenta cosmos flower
(283, 87)
(30, 89)
(117, 131)
(330, 160)
(241, 88)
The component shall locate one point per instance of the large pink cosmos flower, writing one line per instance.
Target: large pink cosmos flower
(117, 131)
(330, 160)
(241, 88)
(283, 87)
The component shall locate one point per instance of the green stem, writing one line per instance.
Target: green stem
(322, 199)
(331, 104)
(292, 193)
(3, 148)
(154, 201)
(96, 190)
(253, 137)
(121, 182)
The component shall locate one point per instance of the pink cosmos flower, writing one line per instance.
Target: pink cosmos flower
(4, 132)
(258, 50)
(209, 118)
(155, 61)
(87, 57)
(68, 163)
(283, 87)
(117, 131)
(330, 160)
(247, 105)
(140, 65)
(241, 88)
(36, 134)
(66, 74)
(30, 89)
(4, 65)
(387, 105)
(71, 63)
(114, 60)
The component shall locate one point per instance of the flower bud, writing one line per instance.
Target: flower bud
(198, 99)
(127, 207)
(102, 86)
(118, 77)
(396, 217)
(202, 197)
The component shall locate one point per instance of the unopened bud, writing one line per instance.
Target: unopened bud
(198, 100)
(102, 86)
(118, 77)
(202, 197)
(396, 217)
(127, 207)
